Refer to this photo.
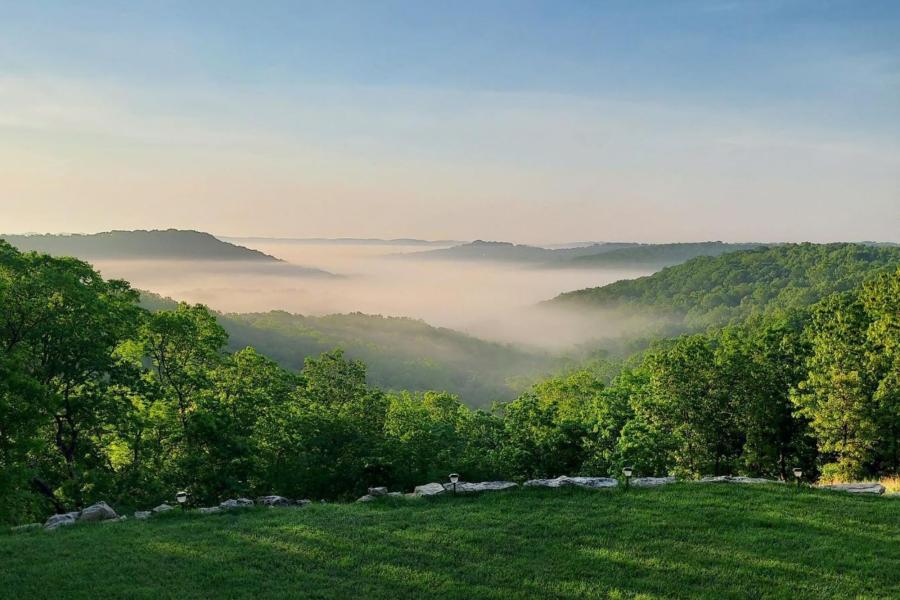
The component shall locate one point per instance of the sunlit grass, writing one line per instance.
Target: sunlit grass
(684, 540)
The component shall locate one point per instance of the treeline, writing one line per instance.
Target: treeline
(101, 399)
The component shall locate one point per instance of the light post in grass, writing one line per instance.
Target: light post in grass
(627, 471)
(182, 498)
(798, 474)
(454, 477)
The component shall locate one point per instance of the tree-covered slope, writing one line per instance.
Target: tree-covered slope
(401, 353)
(717, 290)
(656, 255)
(169, 244)
(679, 541)
(480, 250)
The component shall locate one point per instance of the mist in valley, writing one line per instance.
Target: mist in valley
(492, 301)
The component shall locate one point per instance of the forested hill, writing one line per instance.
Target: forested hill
(401, 353)
(596, 255)
(657, 255)
(717, 290)
(169, 244)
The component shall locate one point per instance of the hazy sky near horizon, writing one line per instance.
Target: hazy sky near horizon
(526, 121)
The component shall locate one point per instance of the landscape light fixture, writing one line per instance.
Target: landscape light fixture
(454, 477)
(182, 498)
(627, 471)
(798, 473)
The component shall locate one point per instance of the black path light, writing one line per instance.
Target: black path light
(627, 471)
(182, 498)
(798, 474)
(454, 477)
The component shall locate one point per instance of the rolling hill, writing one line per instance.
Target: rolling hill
(169, 244)
(709, 291)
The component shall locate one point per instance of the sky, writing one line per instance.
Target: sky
(537, 122)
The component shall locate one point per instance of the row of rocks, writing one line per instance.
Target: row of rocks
(230, 504)
(101, 511)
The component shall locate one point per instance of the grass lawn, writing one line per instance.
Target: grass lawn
(683, 540)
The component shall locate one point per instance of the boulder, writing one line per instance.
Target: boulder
(209, 510)
(730, 479)
(652, 481)
(429, 489)
(378, 491)
(367, 498)
(100, 511)
(142, 515)
(163, 508)
(483, 486)
(564, 481)
(236, 503)
(62, 520)
(273, 501)
(856, 488)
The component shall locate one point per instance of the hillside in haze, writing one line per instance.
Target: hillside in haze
(584, 255)
(717, 290)
(346, 241)
(169, 244)
(401, 353)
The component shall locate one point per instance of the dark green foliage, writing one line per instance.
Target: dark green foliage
(680, 541)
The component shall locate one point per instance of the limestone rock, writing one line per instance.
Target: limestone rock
(482, 486)
(367, 498)
(62, 520)
(273, 501)
(303, 502)
(856, 488)
(163, 508)
(101, 511)
(564, 481)
(142, 515)
(429, 489)
(652, 481)
(730, 479)
(236, 503)
(378, 491)
(209, 510)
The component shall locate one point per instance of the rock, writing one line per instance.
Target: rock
(62, 520)
(273, 501)
(162, 508)
(25, 528)
(142, 515)
(483, 486)
(856, 488)
(367, 498)
(236, 503)
(378, 491)
(563, 481)
(429, 489)
(652, 481)
(302, 502)
(100, 511)
(730, 479)
(209, 510)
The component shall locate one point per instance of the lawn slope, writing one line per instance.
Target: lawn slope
(684, 540)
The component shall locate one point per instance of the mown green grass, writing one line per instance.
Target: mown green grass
(685, 540)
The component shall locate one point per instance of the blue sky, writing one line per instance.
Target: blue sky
(532, 121)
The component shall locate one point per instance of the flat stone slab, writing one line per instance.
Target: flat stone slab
(856, 488)
(730, 479)
(62, 520)
(367, 498)
(377, 491)
(236, 503)
(209, 510)
(163, 508)
(142, 515)
(465, 487)
(652, 481)
(429, 489)
(273, 501)
(564, 481)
